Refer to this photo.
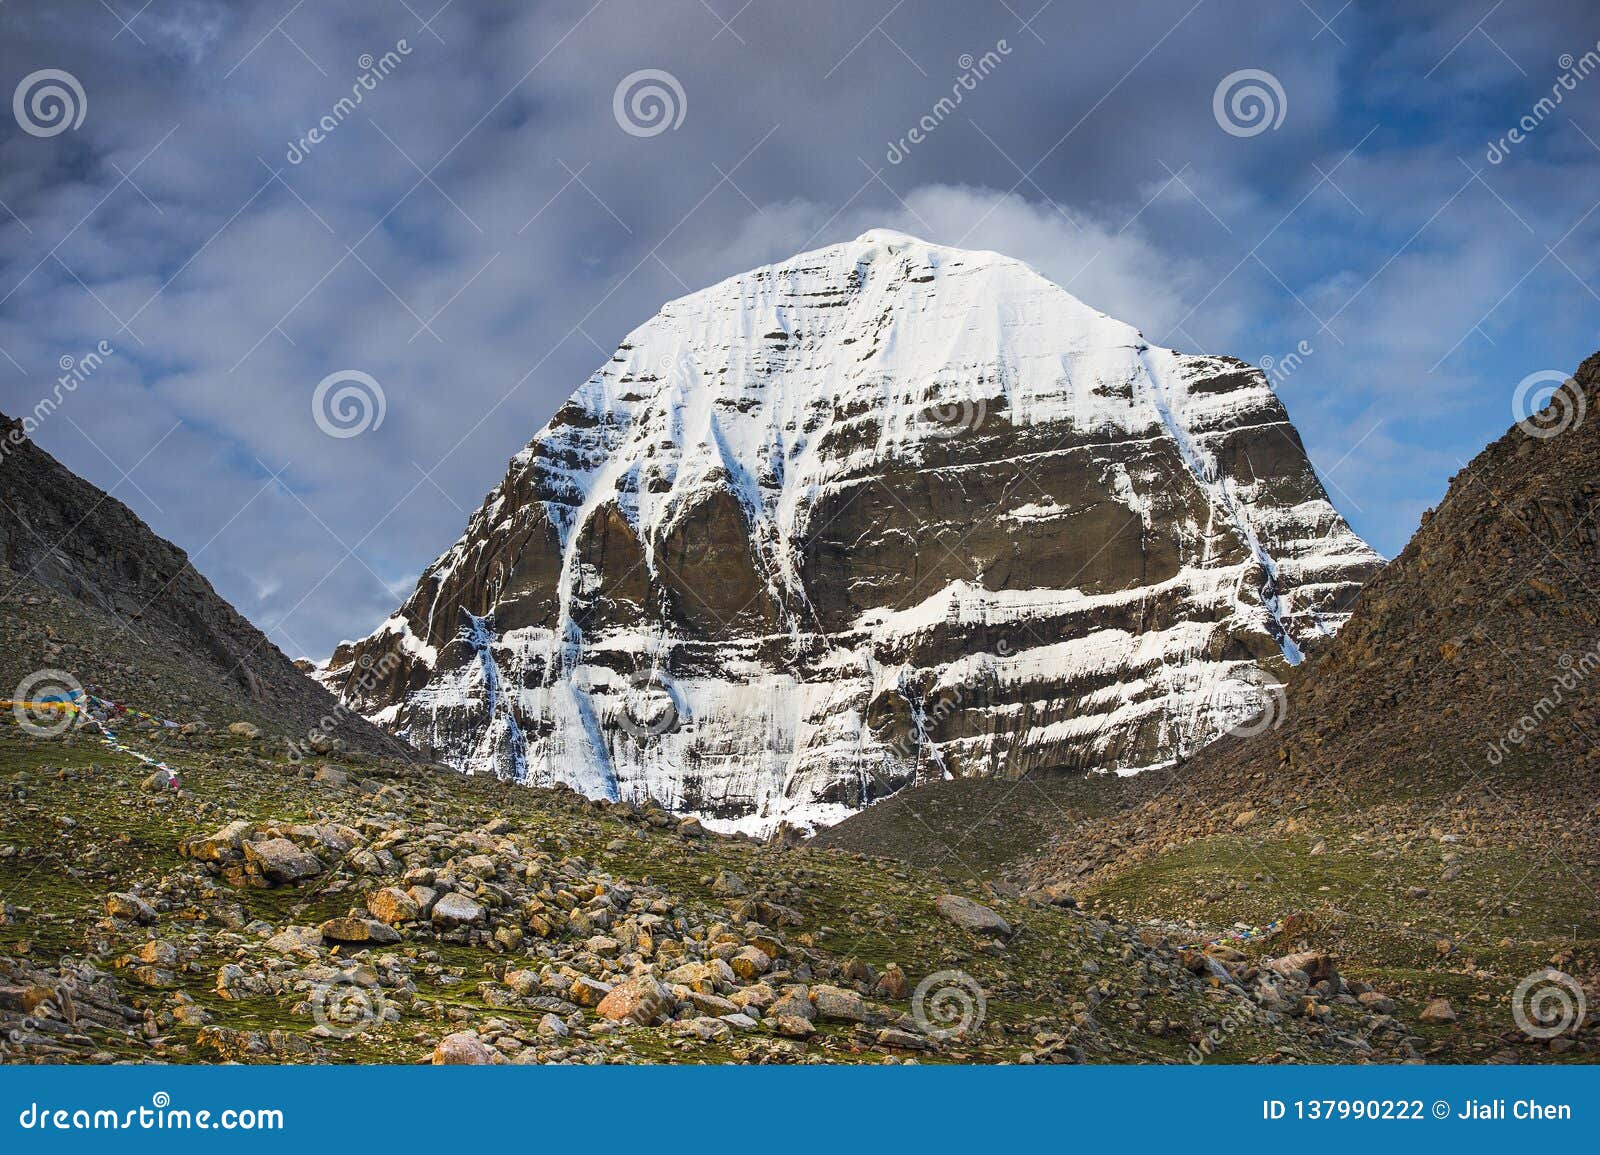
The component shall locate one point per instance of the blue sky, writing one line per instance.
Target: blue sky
(481, 230)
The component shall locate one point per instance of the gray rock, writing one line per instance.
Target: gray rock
(641, 1000)
(457, 910)
(791, 1026)
(280, 860)
(393, 905)
(839, 1005)
(160, 782)
(223, 846)
(1438, 1011)
(296, 940)
(971, 916)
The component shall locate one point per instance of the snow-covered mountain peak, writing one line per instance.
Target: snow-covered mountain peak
(890, 239)
(802, 509)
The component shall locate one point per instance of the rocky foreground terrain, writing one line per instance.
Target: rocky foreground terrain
(372, 911)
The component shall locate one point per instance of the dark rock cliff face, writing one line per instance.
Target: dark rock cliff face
(1467, 677)
(884, 512)
(117, 595)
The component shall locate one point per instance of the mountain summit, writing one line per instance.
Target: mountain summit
(882, 512)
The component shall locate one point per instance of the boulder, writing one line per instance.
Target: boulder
(393, 905)
(641, 1000)
(750, 963)
(160, 782)
(791, 1026)
(588, 992)
(359, 931)
(160, 952)
(524, 983)
(130, 906)
(1438, 1011)
(793, 1003)
(1053, 894)
(714, 1005)
(894, 984)
(1315, 964)
(281, 861)
(971, 916)
(699, 976)
(839, 1005)
(897, 1039)
(462, 1049)
(457, 910)
(223, 846)
(296, 940)
(153, 976)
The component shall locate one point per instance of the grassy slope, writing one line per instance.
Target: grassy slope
(76, 827)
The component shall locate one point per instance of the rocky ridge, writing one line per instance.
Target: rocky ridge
(89, 595)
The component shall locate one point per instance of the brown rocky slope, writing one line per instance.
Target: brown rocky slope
(86, 588)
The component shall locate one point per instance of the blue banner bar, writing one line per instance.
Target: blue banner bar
(880, 1109)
